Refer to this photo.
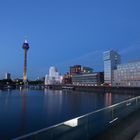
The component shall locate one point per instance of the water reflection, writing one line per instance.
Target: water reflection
(24, 111)
(52, 101)
(108, 99)
(23, 116)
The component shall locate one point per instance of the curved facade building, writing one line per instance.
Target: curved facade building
(53, 77)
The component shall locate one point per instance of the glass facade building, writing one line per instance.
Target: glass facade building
(111, 60)
(96, 78)
(86, 70)
(127, 75)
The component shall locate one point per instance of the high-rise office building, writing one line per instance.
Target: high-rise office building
(111, 60)
(7, 76)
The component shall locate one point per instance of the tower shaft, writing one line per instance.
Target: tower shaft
(25, 46)
(25, 67)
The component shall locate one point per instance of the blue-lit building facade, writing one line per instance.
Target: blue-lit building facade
(111, 60)
(92, 79)
(127, 75)
(85, 76)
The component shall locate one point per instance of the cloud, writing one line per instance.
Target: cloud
(132, 48)
(91, 59)
(131, 53)
(94, 59)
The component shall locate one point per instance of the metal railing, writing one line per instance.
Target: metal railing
(86, 126)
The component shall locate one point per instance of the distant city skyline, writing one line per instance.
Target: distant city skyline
(63, 33)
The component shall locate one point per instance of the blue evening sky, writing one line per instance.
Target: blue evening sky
(66, 32)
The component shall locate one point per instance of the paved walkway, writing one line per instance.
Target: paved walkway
(137, 137)
(126, 129)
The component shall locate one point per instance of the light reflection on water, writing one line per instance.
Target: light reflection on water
(24, 111)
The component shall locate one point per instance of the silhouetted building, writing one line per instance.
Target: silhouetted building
(7, 76)
(18, 81)
(76, 69)
(111, 60)
(67, 79)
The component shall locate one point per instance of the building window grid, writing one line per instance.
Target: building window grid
(128, 74)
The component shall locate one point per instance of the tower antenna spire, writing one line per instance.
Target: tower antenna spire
(25, 39)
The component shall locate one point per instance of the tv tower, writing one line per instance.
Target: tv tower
(25, 46)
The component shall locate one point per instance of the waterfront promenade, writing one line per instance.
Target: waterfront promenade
(119, 121)
(127, 129)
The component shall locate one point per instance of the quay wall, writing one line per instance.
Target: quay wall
(103, 89)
